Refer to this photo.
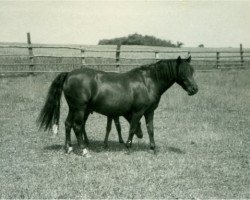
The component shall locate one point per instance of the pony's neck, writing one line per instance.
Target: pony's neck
(164, 74)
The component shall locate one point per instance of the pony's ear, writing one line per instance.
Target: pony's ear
(189, 59)
(178, 61)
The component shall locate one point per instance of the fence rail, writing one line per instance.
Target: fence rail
(232, 59)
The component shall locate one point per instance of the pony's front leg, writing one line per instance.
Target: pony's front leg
(118, 128)
(149, 117)
(108, 129)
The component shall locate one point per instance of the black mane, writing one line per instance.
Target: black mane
(165, 68)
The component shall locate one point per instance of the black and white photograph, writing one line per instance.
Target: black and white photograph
(144, 99)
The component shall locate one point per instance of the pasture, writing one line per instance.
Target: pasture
(202, 146)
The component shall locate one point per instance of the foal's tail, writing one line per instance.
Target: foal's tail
(50, 112)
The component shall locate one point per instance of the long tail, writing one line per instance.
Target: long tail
(50, 112)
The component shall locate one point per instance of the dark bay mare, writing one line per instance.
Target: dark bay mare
(133, 94)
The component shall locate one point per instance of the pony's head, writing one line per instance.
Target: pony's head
(185, 77)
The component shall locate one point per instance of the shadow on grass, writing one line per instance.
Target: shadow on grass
(113, 146)
(175, 150)
(98, 146)
(55, 147)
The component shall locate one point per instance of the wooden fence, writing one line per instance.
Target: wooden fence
(222, 59)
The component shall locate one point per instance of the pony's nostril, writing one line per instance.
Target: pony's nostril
(192, 90)
(196, 89)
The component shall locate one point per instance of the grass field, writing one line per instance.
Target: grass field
(203, 146)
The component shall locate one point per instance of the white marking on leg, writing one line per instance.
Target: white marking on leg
(55, 129)
(85, 153)
(70, 149)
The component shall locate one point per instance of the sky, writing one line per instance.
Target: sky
(212, 23)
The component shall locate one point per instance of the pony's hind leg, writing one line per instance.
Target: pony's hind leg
(78, 129)
(68, 126)
(118, 128)
(86, 115)
(108, 129)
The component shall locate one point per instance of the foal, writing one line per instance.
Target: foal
(108, 129)
(118, 128)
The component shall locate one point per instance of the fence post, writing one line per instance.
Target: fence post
(189, 54)
(83, 56)
(31, 55)
(156, 56)
(117, 56)
(217, 60)
(241, 56)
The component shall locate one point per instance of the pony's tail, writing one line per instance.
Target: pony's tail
(50, 112)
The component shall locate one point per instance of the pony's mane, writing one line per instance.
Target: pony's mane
(165, 68)
(153, 65)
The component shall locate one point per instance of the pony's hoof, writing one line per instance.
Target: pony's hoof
(127, 152)
(105, 144)
(85, 153)
(69, 150)
(129, 144)
(153, 151)
(121, 141)
(140, 136)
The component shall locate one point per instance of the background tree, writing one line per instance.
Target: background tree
(179, 44)
(138, 39)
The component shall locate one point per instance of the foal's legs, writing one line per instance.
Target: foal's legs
(149, 117)
(118, 128)
(138, 130)
(108, 129)
(135, 119)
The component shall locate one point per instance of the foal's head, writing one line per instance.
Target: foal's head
(185, 77)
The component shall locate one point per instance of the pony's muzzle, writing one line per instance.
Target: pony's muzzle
(139, 135)
(193, 90)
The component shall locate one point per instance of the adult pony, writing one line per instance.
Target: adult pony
(133, 94)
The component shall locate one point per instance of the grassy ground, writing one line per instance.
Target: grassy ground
(202, 143)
